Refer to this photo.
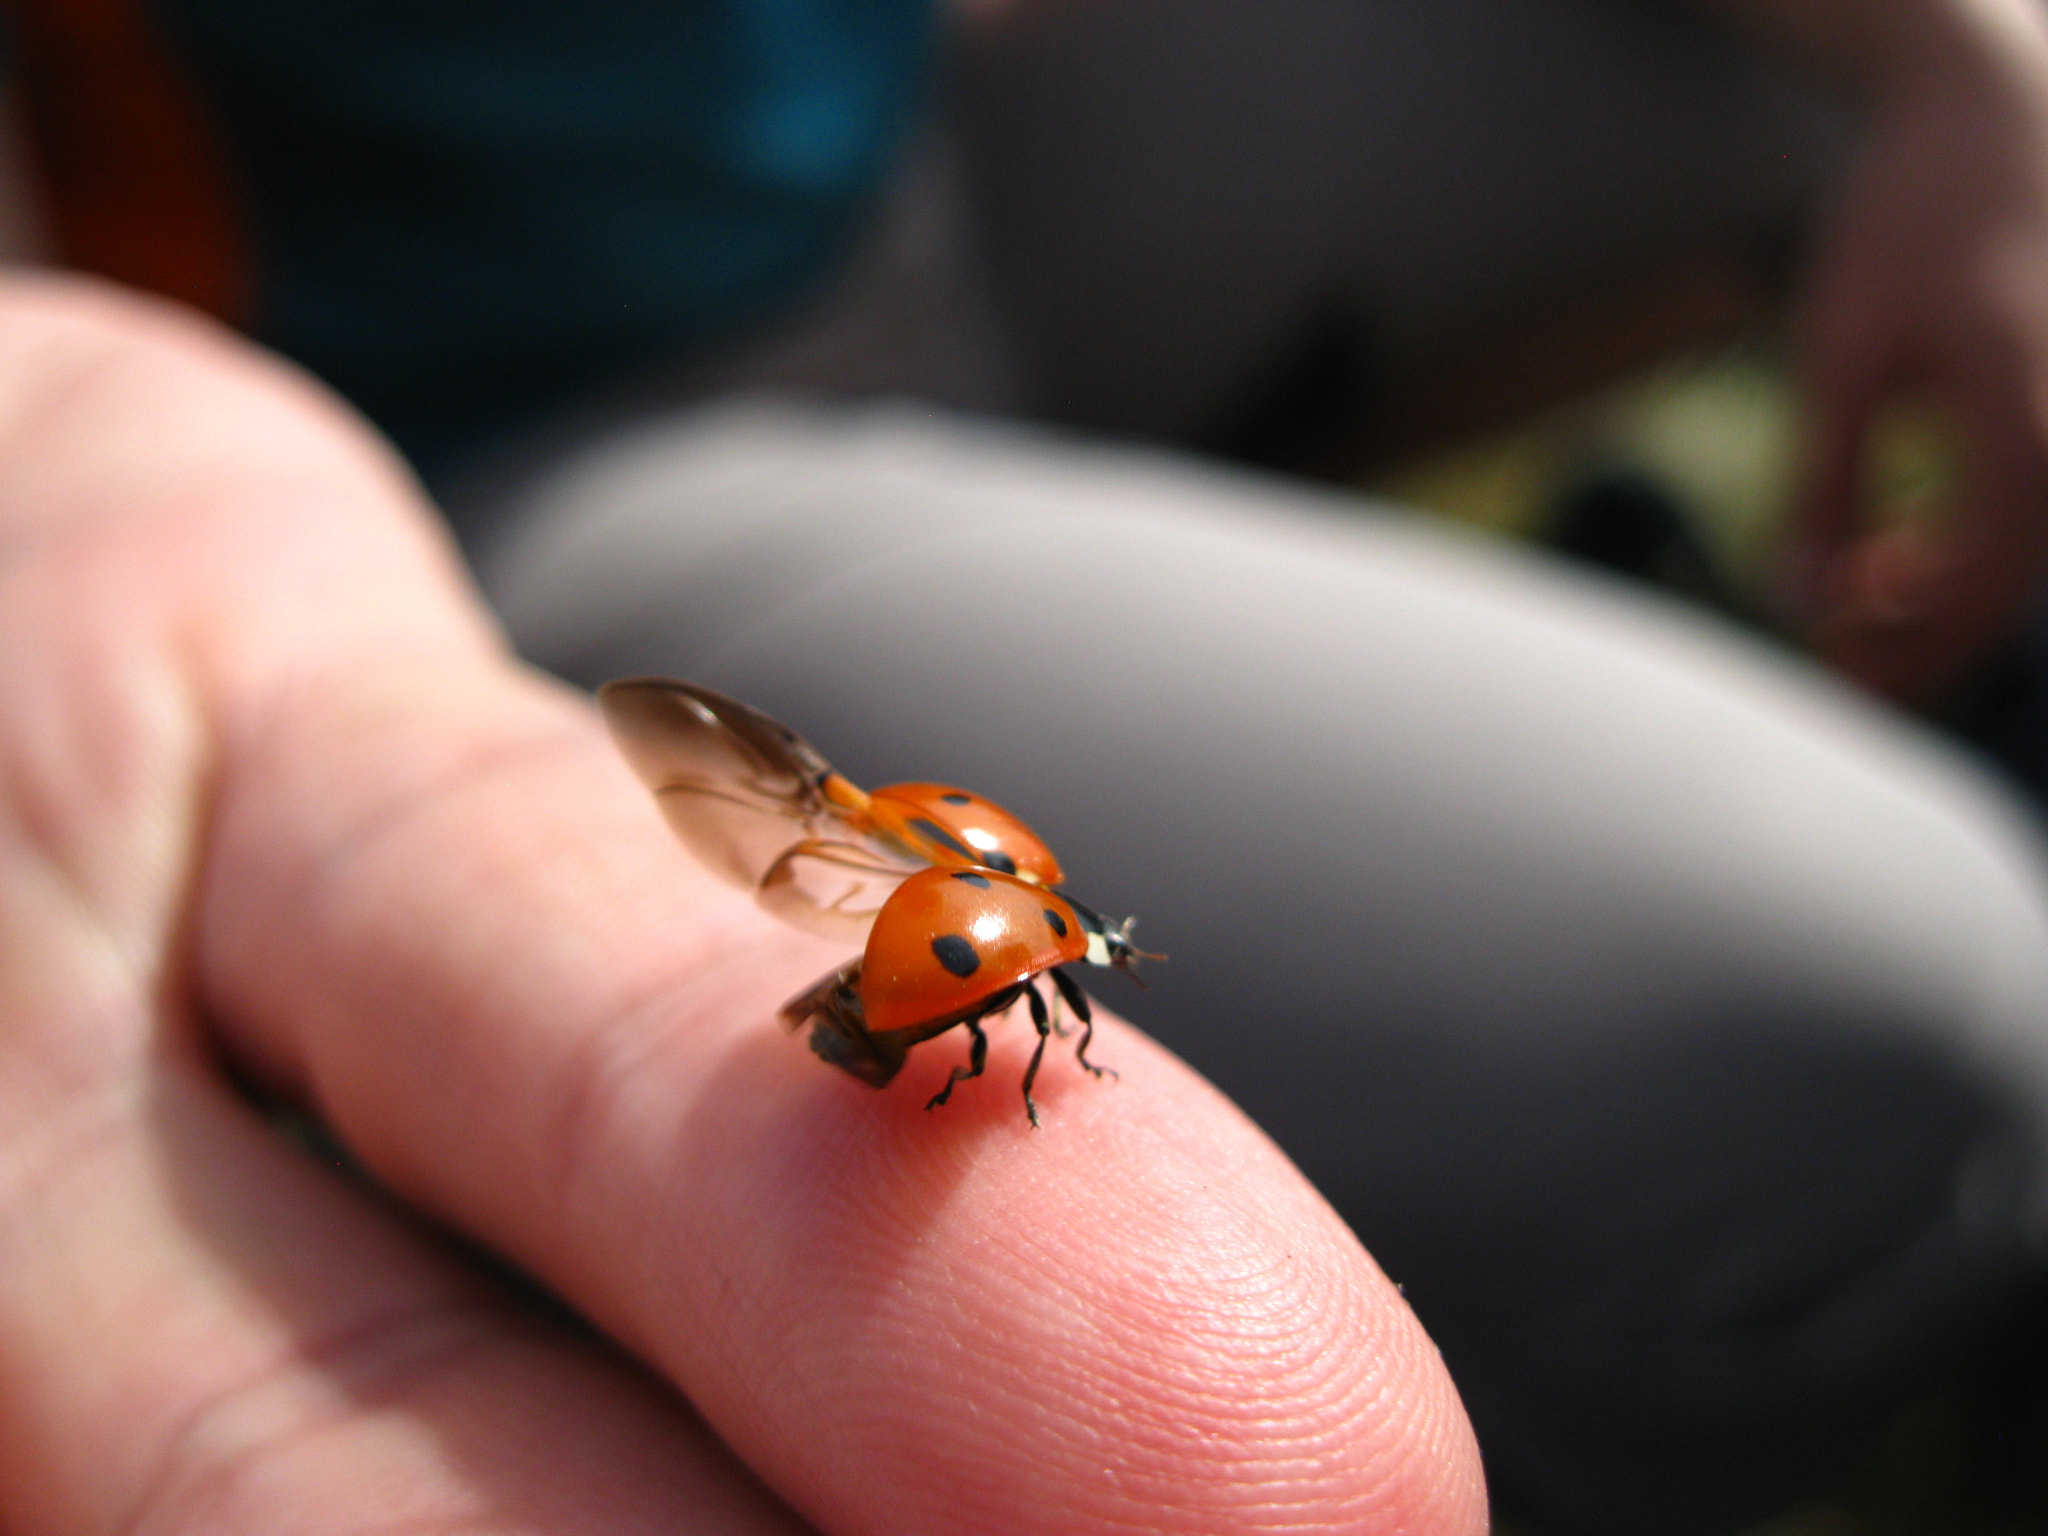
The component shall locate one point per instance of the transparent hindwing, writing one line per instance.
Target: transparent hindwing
(745, 795)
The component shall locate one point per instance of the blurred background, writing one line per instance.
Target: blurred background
(1642, 417)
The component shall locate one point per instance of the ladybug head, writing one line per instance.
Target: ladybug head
(1110, 943)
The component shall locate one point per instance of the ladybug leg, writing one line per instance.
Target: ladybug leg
(977, 1059)
(1078, 1001)
(977, 1054)
(1076, 998)
(1043, 1024)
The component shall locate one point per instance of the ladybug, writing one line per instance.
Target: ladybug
(953, 946)
(762, 808)
(950, 892)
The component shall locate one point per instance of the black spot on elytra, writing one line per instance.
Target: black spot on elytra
(956, 954)
(971, 877)
(942, 837)
(996, 859)
(954, 797)
(1055, 922)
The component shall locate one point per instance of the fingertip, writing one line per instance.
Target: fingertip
(1138, 1317)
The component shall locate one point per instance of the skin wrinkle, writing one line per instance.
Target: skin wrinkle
(1279, 1480)
(390, 818)
(1184, 1383)
(98, 545)
(1196, 1408)
(39, 1197)
(327, 867)
(1238, 1298)
(1140, 1507)
(392, 1368)
(1441, 1428)
(1161, 1500)
(380, 1346)
(205, 513)
(373, 1359)
(590, 1075)
(53, 403)
(599, 1074)
(261, 671)
(100, 1120)
(1318, 1373)
(566, 1153)
(154, 784)
(882, 1308)
(594, 1074)
(42, 886)
(186, 510)
(872, 1292)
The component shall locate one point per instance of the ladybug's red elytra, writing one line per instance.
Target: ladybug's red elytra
(945, 825)
(952, 894)
(953, 946)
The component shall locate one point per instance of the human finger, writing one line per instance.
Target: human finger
(1934, 587)
(199, 1328)
(202, 1329)
(1845, 353)
(436, 906)
(542, 1022)
(431, 901)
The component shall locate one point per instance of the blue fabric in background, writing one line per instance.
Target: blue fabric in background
(466, 211)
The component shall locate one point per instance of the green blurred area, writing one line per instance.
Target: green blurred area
(1718, 430)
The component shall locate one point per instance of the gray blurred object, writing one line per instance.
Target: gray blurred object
(1673, 1024)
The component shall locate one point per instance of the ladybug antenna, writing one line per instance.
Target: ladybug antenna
(1125, 955)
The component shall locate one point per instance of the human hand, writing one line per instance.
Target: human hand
(277, 808)
(1930, 287)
